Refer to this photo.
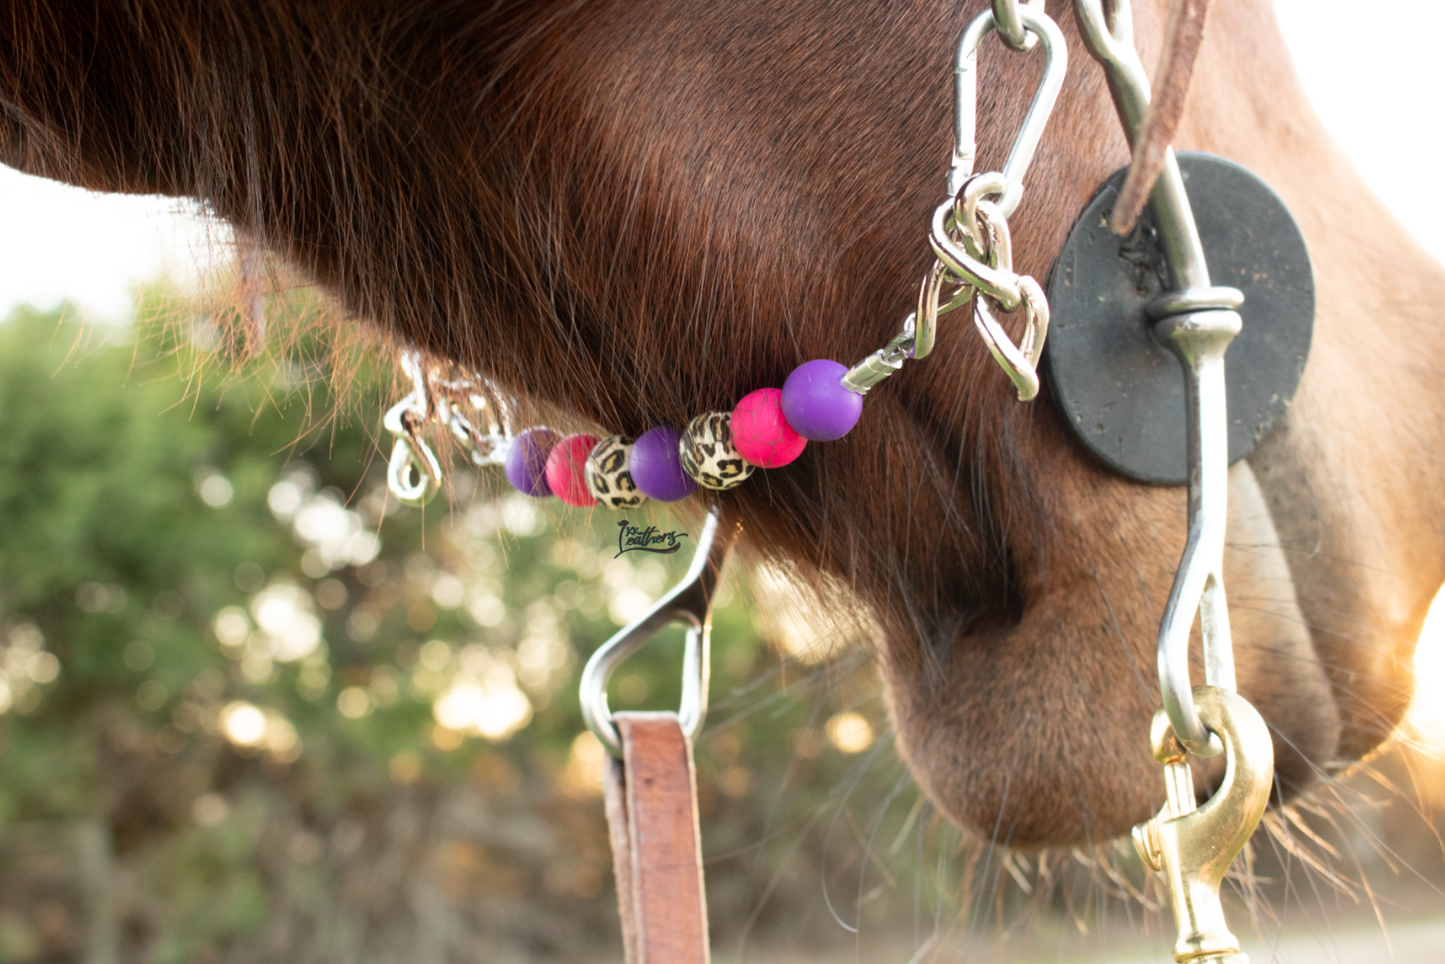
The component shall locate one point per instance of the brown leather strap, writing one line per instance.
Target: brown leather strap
(1182, 39)
(651, 799)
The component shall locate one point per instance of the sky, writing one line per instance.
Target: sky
(1378, 95)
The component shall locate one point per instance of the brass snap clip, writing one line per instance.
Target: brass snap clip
(1194, 845)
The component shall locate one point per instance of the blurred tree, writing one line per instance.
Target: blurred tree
(222, 643)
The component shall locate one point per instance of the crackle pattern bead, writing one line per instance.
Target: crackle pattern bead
(566, 473)
(708, 453)
(607, 475)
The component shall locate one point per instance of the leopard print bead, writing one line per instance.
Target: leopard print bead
(608, 478)
(708, 453)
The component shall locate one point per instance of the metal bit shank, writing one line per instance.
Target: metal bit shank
(1199, 339)
(1197, 322)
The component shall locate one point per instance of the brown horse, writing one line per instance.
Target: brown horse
(640, 211)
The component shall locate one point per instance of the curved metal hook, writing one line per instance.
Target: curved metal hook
(965, 113)
(690, 602)
(1020, 362)
(406, 461)
(410, 453)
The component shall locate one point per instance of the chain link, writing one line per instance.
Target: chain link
(969, 231)
(1010, 25)
(414, 473)
(971, 239)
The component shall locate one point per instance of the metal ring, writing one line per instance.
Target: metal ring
(690, 602)
(998, 284)
(980, 236)
(1010, 27)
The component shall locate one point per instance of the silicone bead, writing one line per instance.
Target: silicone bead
(608, 479)
(526, 463)
(708, 453)
(761, 433)
(566, 475)
(817, 405)
(656, 466)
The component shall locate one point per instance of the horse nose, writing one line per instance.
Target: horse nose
(1037, 729)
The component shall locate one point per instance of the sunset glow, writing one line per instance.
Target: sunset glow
(1427, 712)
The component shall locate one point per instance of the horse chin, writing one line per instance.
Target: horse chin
(1037, 734)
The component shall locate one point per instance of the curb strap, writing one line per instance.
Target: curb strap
(651, 801)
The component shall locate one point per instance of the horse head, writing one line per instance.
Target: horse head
(636, 213)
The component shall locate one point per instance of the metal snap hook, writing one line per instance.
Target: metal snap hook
(965, 116)
(1194, 846)
(690, 602)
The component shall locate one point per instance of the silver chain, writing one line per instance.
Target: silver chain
(969, 236)
(413, 473)
(969, 232)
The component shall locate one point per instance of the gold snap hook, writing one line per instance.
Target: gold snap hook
(1194, 846)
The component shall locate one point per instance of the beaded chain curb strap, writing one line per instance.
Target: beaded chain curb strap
(821, 400)
(650, 786)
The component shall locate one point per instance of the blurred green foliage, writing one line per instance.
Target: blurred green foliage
(224, 643)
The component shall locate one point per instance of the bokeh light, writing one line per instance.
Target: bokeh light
(850, 732)
(243, 723)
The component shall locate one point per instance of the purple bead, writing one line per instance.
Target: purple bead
(526, 464)
(656, 465)
(817, 405)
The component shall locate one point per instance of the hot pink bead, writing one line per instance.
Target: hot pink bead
(565, 470)
(761, 433)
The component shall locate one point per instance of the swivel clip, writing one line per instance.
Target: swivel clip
(1194, 845)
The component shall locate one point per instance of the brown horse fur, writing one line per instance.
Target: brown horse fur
(640, 211)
